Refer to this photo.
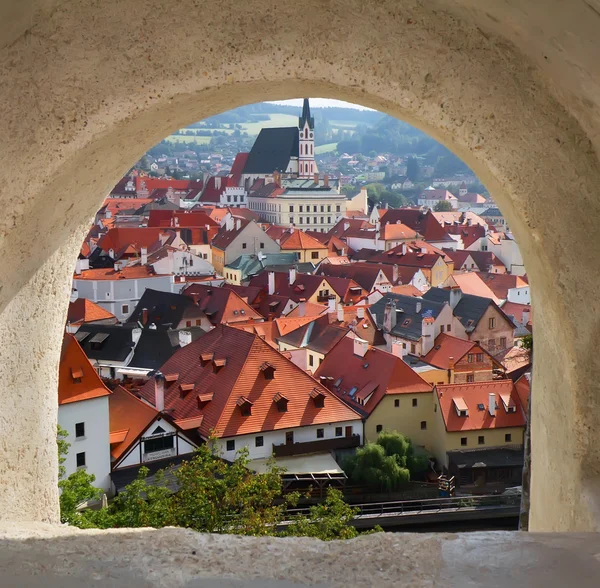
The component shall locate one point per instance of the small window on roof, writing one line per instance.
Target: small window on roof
(406, 322)
(353, 391)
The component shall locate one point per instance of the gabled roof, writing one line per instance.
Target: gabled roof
(221, 305)
(364, 274)
(475, 394)
(83, 310)
(471, 283)
(501, 283)
(214, 187)
(106, 342)
(237, 169)
(391, 232)
(364, 381)
(272, 150)
(129, 417)
(468, 234)
(410, 313)
(516, 310)
(224, 237)
(119, 238)
(437, 194)
(129, 272)
(165, 310)
(310, 309)
(423, 223)
(156, 346)
(446, 347)
(244, 354)
(180, 218)
(317, 335)
(77, 379)
(472, 198)
(469, 309)
(345, 224)
(297, 239)
(401, 255)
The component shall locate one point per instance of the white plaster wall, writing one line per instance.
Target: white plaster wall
(519, 295)
(301, 435)
(95, 444)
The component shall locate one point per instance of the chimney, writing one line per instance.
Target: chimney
(427, 334)
(525, 317)
(397, 349)
(135, 335)
(326, 180)
(111, 253)
(360, 312)
(403, 248)
(271, 283)
(423, 249)
(159, 391)
(360, 347)
(74, 295)
(395, 275)
(185, 338)
(277, 178)
(176, 219)
(144, 254)
(107, 213)
(492, 404)
(302, 307)
(229, 222)
(418, 307)
(340, 313)
(292, 275)
(389, 316)
(451, 365)
(331, 304)
(144, 316)
(455, 296)
(218, 182)
(238, 224)
(316, 177)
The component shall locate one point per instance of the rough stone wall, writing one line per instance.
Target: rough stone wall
(87, 87)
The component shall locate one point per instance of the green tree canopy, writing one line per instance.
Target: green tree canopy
(413, 170)
(443, 206)
(376, 470)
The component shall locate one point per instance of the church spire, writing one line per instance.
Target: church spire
(306, 118)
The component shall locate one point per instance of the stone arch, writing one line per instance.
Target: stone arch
(86, 89)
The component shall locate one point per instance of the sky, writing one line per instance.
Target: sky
(321, 102)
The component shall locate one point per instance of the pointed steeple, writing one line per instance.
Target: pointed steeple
(306, 116)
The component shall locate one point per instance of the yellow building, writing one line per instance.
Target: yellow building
(307, 248)
(480, 415)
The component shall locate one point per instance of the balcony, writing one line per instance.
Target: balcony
(318, 446)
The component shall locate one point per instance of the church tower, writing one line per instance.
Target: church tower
(306, 144)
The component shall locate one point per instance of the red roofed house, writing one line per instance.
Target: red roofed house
(83, 311)
(380, 238)
(382, 387)
(309, 249)
(369, 276)
(430, 197)
(140, 434)
(232, 385)
(423, 222)
(465, 361)
(83, 413)
(480, 429)
(223, 191)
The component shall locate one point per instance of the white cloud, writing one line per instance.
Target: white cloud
(321, 102)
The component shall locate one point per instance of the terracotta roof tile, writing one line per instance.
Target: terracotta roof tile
(85, 311)
(478, 394)
(242, 377)
(77, 379)
(299, 240)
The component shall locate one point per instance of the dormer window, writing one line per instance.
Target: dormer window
(318, 397)
(245, 406)
(170, 378)
(97, 341)
(281, 401)
(185, 389)
(206, 358)
(268, 370)
(204, 399)
(508, 402)
(462, 410)
(77, 375)
(218, 365)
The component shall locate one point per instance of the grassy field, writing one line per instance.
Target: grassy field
(276, 120)
(327, 148)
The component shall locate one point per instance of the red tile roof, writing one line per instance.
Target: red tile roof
(129, 417)
(224, 237)
(423, 223)
(214, 187)
(119, 238)
(160, 183)
(446, 347)
(517, 310)
(130, 272)
(384, 374)
(237, 168)
(365, 274)
(299, 240)
(85, 311)
(478, 394)
(221, 305)
(77, 379)
(468, 234)
(180, 218)
(501, 283)
(242, 377)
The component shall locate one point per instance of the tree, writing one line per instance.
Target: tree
(376, 470)
(413, 170)
(213, 496)
(443, 206)
(75, 489)
(401, 448)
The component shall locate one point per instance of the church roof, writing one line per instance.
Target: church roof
(306, 116)
(272, 150)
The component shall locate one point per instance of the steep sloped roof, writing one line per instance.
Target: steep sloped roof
(83, 310)
(272, 150)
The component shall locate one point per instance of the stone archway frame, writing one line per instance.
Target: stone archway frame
(86, 88)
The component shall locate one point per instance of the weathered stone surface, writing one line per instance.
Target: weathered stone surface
(50, 557)
(512, 87)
